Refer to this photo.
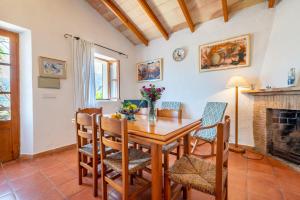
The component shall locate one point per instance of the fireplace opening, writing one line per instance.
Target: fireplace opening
(283, 134)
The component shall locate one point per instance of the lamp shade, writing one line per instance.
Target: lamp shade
(237, 81)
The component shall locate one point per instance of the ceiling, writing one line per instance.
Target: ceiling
(144, 20)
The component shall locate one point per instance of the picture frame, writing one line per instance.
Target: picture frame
(150, 70)
(52, 68)
(226, 54)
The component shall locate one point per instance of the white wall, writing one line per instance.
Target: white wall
(283, 50)
(48, 21)
(183, 81)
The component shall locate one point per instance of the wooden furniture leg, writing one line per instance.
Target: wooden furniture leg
(156, 163)
(167, 188)
(187, 151)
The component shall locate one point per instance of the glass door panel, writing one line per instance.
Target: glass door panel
(5, 112)
(4, 50)
(4, 79)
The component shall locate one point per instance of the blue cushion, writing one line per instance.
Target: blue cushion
(213, 114)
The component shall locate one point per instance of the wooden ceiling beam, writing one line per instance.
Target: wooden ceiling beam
(225, 10)
(271, 3)
(112, 7)
(153, 18)
(186, 14)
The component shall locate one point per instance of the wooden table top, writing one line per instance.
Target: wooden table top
(163, 130)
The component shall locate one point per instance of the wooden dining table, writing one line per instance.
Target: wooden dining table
(156, 134)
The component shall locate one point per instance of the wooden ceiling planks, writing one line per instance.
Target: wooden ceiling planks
(168, 13)
(153, 18)
(127, 22)
(187, 15)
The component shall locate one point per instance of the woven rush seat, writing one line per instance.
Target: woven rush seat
(196, 173)
(165, 148)
(88, 149)
(137, 160)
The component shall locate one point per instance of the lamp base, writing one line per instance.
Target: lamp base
(237, 149)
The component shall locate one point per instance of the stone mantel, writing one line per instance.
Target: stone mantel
(273, 91)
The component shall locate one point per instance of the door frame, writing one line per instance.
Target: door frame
(15, 91)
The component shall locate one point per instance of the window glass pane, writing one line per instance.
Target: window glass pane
(113, 71)
(98, 79)
(4, 78)
(105, 80)
(4, 50)
(5, 114)
(114, 89)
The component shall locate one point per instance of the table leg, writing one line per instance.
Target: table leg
(187, 151)
(156, 161)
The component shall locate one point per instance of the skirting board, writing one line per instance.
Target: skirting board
(45, 153)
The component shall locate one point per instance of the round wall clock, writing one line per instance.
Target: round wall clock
(178, 54)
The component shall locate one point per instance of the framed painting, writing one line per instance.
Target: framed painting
(52, 68)
(149, 70)
(226, 54)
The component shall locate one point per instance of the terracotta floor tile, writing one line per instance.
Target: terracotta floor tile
(86, 194)
(10, 196)
(70, 188)
(33, 180)
(32, 192)
(63, 176)
(4, 189)
(54, 177)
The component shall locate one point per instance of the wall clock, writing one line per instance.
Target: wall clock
(179, 54)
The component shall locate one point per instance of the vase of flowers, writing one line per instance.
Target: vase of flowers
(151, 94)
(129, 110)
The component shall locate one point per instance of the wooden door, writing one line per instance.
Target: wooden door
(9, 96)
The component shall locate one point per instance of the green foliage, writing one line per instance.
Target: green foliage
(99, 95)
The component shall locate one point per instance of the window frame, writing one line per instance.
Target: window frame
(109, 80)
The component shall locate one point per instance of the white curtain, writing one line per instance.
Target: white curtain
(84, 73)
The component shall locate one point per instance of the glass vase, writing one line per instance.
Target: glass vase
(151, 111)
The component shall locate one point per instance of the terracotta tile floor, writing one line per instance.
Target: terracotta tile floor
(54, 177)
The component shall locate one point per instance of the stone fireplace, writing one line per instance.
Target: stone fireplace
(276, 122)
(283, 134)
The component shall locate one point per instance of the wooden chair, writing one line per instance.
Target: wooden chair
(212, 115)
(125, 161)
(193, 172)
(91, 111)
(86, 130)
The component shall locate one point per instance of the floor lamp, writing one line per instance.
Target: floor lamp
(236, 82)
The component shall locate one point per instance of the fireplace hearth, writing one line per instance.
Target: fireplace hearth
(283, 134)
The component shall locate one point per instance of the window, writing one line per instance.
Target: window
(106, 78)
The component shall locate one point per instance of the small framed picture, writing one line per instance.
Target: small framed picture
(52, 68)
(150, 70)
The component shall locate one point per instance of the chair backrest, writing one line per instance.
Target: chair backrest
(223, 131)
(91, 110)
(172, 105)
(169, 113)
(86, 130)
(116, 127)
(213, 113)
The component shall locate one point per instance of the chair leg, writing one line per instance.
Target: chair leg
(186, 193)
(212, 148)
(79, 170)
(167, 183)
(103, 182)
(195, 145)
(178, 152)
(95, 177)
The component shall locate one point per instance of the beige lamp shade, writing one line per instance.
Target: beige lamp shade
(237, 81)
